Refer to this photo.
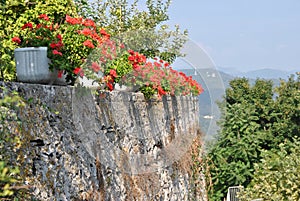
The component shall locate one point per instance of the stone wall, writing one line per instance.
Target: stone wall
(78, 145)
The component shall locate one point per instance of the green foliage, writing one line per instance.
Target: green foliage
(142, 30)
(7, 178)
(277, 176)
(8, 173)
(148, 91)
(255, 118)
(13, 14)
(121, 65)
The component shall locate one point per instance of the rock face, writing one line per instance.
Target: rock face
(78, 145)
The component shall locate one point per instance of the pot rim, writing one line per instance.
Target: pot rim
(30, 48)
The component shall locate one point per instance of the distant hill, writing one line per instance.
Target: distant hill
(268, 74)
(265, 73)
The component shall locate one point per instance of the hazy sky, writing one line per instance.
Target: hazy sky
(243, 34)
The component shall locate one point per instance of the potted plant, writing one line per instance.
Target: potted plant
(55, 50)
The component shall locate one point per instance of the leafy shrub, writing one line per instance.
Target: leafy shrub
(9, 139)
(255, 119)
(277, 176)
(142, 29)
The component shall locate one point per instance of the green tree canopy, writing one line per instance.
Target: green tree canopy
(141, 26)
(277, 176)
(255, 118)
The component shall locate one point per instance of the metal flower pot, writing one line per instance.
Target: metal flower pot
(32, 66)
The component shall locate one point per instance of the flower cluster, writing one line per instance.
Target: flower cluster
(69, 43)
(136, 59)
(77, 47)
(80, 37)
(43, 33)
(132, 69)
(159, 77)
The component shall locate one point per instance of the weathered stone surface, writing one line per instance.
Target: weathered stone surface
(110, 146)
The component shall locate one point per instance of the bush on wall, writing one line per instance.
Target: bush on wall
(142, 27)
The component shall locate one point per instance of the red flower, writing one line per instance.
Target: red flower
(56, 52)
(59, 37)
(113, 73)
(53, 45)
(49, 27)
(89, 44)
(16, 40)
(27, 25)
(44, 16)
(85, 32)
(60, 73)
(73, 21)
(131, 58)
(104, 33)
(122, 46)
(96, 68)
(39, 26)
(57, 45)
(78, 71)
(142, 59)
(135, 66)
(95, 36)
(88, 23)
(157, 64)
(110, 86)
(131, 52)
(161, 91)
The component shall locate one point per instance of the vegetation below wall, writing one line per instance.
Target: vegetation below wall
(256, 121)
(11, 182)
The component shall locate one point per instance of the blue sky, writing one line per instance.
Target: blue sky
(243, 34)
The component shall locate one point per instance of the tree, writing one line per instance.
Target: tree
(277, 176)
(142, 30)
(255, 118)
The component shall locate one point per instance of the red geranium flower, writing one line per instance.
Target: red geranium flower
(131, 52)
(27, 25)
(39, 26)
(88, 23)
(110, 86)
(96, 68)
(85, 32)
(53, 45)
(59, 37)
(78, 71)
(60, 73)
(89, 44)
(113, 73)
(122, 46)
(131, 58)
(73, 21)
(16, 40)
(104, 33)
(44, 16)
(57, 52)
